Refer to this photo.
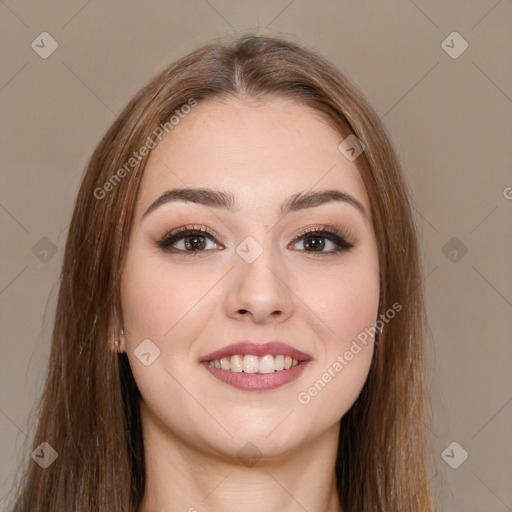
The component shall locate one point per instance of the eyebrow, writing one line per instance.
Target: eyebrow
(226, 200)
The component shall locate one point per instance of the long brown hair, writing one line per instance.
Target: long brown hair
(89, 411)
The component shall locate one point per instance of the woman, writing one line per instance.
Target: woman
(240, 320)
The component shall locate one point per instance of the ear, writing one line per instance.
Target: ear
(120, 343)
(116, 337)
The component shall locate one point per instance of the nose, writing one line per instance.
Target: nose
(259, 292)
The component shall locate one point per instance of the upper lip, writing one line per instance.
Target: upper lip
(257, 349)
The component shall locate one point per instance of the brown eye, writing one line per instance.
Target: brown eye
(314, 241)
(187, 240)
(193, 242)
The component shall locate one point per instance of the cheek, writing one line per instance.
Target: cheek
(146, 309)
(171, 307)
(165, 307)
(352, 305)
(153, 298)
(346, 301)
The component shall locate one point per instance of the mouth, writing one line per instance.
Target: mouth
(256, 367)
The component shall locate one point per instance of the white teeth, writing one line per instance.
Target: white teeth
(236, 364)
(250, 364)
(267, 364)
(254, 364)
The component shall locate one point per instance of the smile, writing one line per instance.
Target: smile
(253, 373)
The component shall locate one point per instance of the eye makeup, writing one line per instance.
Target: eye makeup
(196, 237)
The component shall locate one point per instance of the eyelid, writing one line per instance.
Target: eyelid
(167, 233)
(345, 233)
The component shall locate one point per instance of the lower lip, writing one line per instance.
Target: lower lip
(256, 381)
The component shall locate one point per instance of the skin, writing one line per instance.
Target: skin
(193, 424)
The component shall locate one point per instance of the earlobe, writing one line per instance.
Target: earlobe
(120, 344)
(116, 339)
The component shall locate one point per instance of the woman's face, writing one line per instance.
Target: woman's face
(252, 277)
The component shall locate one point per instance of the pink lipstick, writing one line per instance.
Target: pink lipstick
(256, 367)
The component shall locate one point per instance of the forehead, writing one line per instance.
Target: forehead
(259, 150)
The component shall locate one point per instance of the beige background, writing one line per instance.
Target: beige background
(450, 120)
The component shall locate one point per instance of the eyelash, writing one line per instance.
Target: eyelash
(332, 234)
